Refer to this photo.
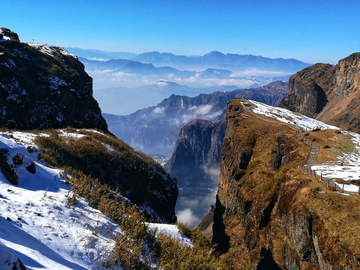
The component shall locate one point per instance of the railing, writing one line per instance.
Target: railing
(306, 168)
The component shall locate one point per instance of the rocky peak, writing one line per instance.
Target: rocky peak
(327, 93)
(44, 87)
(347, 75)
(7, 34)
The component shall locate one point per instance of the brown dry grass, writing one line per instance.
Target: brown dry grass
(260, 135)
(340, 215)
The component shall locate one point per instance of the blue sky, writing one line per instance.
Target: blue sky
(311, 31)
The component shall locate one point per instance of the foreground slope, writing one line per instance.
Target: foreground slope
(44, 87)
(43, 219)
(271, 215)
(328, 93)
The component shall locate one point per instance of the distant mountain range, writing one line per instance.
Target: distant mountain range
(124, 100)
(98, 54)
(216, 59)
(154, 130)
(123, 86)
(213, 59)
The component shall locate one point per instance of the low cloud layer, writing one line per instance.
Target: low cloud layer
(187, 217)
(191, 210)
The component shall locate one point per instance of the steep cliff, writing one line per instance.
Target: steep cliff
(44, 87)
(269, 214)
(195, 164)
(327, 93)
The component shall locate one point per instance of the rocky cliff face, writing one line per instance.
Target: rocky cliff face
(327, 93)
(44, 87)
(268, 214)
(195, 164)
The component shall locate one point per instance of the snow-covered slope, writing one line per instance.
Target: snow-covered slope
(348, 166)
(39, 224)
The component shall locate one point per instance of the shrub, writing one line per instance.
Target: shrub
(8, 169)
(18, 159)
(30, 149)
(31, 168)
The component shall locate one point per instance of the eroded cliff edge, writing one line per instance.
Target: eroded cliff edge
(44, 87)
(328, 93)
(268, 213)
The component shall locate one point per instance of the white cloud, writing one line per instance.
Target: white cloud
(162, 83)
(257, 72)
(159, 110)
(213, 173)
(187, 217)
(98, 59)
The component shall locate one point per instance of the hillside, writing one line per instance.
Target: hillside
(49, 220)
(154, 130)
(269, 214)
(44, 87)
(327, 93)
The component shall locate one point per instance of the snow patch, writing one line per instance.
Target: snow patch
(286, 116)
(38, 224)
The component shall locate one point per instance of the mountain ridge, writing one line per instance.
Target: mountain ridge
(43, 87)
(217, 59)
(328, 93)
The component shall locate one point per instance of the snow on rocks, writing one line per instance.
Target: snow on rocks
(50, 50)
(286, 116)
(56, 82)
(3, 37)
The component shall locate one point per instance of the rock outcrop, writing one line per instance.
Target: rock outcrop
(44, 87)
(327, 93)
(268, 214)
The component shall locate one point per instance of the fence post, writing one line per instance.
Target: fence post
(342, 191)
(321, 178)
(359, 191)
(328, 183)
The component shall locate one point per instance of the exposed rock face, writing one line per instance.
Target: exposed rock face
(267, 213)
(327, 93)
(282, 151)
(44, 87)
(195, 163)
(198, 146)
(154, 130)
